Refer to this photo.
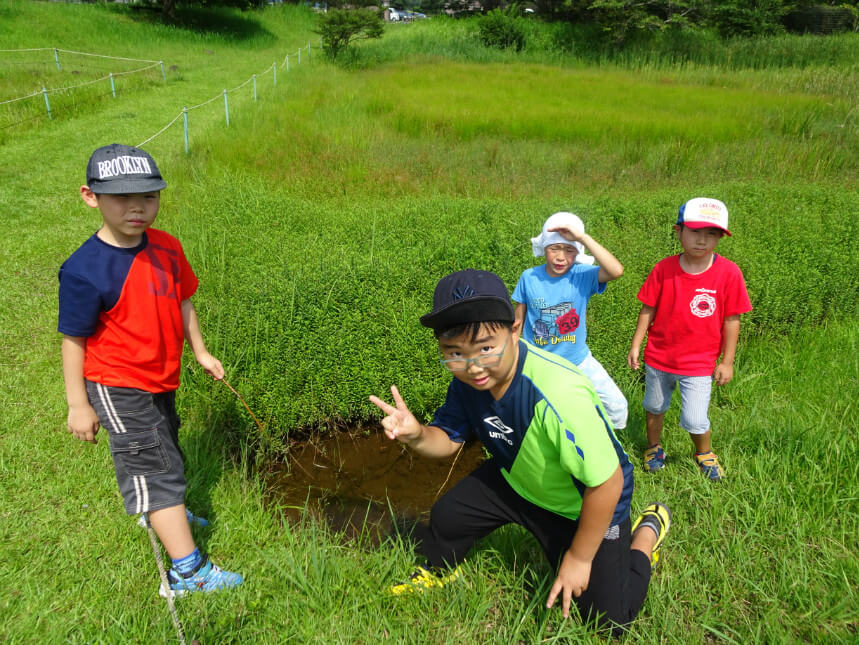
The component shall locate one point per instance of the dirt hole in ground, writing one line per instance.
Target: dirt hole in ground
(362, 484)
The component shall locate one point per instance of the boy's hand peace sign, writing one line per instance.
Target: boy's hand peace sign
(399, 423)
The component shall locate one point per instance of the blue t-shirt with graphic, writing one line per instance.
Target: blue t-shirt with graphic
(557, 308)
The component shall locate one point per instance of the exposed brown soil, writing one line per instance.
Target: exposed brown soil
(364, 483)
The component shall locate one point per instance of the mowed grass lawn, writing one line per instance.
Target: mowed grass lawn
(319, 222)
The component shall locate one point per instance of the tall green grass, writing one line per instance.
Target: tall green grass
(827, 65)
(458, 39)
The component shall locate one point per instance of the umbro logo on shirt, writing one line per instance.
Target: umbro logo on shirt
(500, 429)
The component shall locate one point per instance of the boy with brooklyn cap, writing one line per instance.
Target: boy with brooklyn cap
(124, 312)
(690, 312)
(556, 467)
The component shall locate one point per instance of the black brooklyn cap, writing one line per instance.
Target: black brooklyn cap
(468, 296)
(118, 169)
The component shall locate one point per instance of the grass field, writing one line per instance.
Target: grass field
(318, 222)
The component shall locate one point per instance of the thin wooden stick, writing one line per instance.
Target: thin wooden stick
(253, 416)
(450, 472)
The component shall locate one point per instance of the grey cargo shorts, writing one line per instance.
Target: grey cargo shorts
(143, 429)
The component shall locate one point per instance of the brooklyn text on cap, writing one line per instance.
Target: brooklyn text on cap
(469, 296)
(704, 212)
(117, 169)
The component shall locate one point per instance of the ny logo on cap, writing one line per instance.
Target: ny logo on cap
(462, 292)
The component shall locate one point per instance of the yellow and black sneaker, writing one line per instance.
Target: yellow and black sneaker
(709, 464)
(656, 516)
(424, 579)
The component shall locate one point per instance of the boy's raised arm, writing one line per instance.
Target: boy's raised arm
(82, 419)
(401, 424)
(610, 266)
(194, 337)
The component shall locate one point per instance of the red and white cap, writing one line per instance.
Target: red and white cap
(704, 212)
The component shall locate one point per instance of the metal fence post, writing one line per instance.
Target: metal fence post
(287, 62)
(47, 103)
(299, 56)
(112, 86)
(163, 75)
(57, 58)
(185, 117)
(226, 107)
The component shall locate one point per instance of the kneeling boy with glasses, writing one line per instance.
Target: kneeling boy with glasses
(557, 468)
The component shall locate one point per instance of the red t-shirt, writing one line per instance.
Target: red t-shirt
(686, 334)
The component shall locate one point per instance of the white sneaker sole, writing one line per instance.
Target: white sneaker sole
(164, 593)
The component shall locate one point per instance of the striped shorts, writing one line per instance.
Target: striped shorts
(694, 397)
(143, 429)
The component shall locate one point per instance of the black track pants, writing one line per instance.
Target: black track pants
(484, 501)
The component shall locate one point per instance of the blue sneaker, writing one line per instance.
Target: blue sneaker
(654, 458)
(196, 519)
(206, 577)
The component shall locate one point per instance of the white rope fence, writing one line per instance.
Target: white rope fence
(225, 94)
(45, 92)
(111, 76)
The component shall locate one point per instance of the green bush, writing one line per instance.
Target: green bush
(743, 18)
(502, 31)
(315, 305)
(341, 27)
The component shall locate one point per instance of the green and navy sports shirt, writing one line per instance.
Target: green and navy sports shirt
(549, 433)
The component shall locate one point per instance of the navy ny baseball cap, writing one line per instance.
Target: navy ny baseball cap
(117, 169)
(466, 297)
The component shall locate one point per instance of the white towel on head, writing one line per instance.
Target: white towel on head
(545, 238)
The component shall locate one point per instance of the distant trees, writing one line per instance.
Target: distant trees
(621, 18)
(168, 7)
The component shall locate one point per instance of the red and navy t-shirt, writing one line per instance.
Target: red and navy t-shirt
(127, 303)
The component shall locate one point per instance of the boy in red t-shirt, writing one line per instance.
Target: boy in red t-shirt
(125, 312)
(691, 314)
